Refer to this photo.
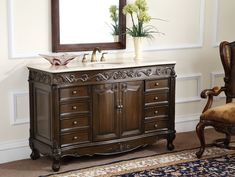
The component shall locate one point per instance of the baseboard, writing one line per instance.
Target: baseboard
(14, 150)
(186, 123)
(19, 149)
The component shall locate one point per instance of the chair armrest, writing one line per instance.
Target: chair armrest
(210, 93)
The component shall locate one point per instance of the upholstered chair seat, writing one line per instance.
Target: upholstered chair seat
(223, 114)
(222, 118)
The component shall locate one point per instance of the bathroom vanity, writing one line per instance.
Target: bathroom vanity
(100, 108)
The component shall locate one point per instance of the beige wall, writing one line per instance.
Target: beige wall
(193, 30)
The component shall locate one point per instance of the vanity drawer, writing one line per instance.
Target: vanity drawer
(156, 84)
(156, 111)
(156, 97)
(70, 123)
(75, 137)
(74, 92)
(156, 125)
(77, 107)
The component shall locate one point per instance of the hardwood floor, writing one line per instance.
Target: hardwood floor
(42, 166)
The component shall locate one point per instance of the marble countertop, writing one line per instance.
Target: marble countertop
(114, 64)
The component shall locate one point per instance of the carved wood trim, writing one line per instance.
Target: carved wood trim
(102, 75)
(113, 75)
(39, 76)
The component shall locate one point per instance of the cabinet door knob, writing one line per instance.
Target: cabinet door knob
(74, 92)
(75, 137)
(119, 106)
(155, 112)
(74, 107)
(155, 125)
(156, 98)
(156, 84)
(75, 122)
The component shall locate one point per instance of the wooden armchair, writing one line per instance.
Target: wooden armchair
(222, 118)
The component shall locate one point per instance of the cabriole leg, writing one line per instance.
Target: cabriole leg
(170, 140)
(35, 153)
(227, 140)
(200, 134)
(56, 155)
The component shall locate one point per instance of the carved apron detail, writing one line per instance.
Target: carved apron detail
(113, 75)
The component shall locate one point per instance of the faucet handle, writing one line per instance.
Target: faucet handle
(84, 57)
(102, 57)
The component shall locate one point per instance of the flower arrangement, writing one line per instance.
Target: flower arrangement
(139, 16)
(114, 16)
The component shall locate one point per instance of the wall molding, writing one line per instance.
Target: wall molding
(14, 54)
(216, 18)
(15, 120)
(216, 42)
(198, 78)
(14, 150)
(215, 75)
(198, 44)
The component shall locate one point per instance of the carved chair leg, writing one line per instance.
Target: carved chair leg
(227, 140)
(170, 139)
(200, 133)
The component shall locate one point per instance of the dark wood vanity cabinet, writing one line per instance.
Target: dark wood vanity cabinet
(107, 111)
(117, 110)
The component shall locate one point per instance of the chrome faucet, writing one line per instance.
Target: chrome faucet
(93, 55)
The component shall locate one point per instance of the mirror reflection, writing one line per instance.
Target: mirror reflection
(86, 21)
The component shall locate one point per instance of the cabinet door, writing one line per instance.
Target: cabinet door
(131, 98)
(105, 122)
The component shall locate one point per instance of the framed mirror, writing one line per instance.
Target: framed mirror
(82, 25)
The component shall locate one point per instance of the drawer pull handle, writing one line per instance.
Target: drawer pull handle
(155, 112)
(156, 98)
(74, 107)
(75, 123)
(156, 84)
(75, 138)
(74, 92)
(155, 125)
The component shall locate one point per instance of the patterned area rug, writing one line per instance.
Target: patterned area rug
(215, 162)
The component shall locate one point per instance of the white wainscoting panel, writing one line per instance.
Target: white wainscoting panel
(185, 123)
(223, 24)
(20, 108)
(191, 87)
(217, 80)
(28, 36)
(178, 34)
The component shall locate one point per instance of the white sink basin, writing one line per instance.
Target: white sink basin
(103, 63)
